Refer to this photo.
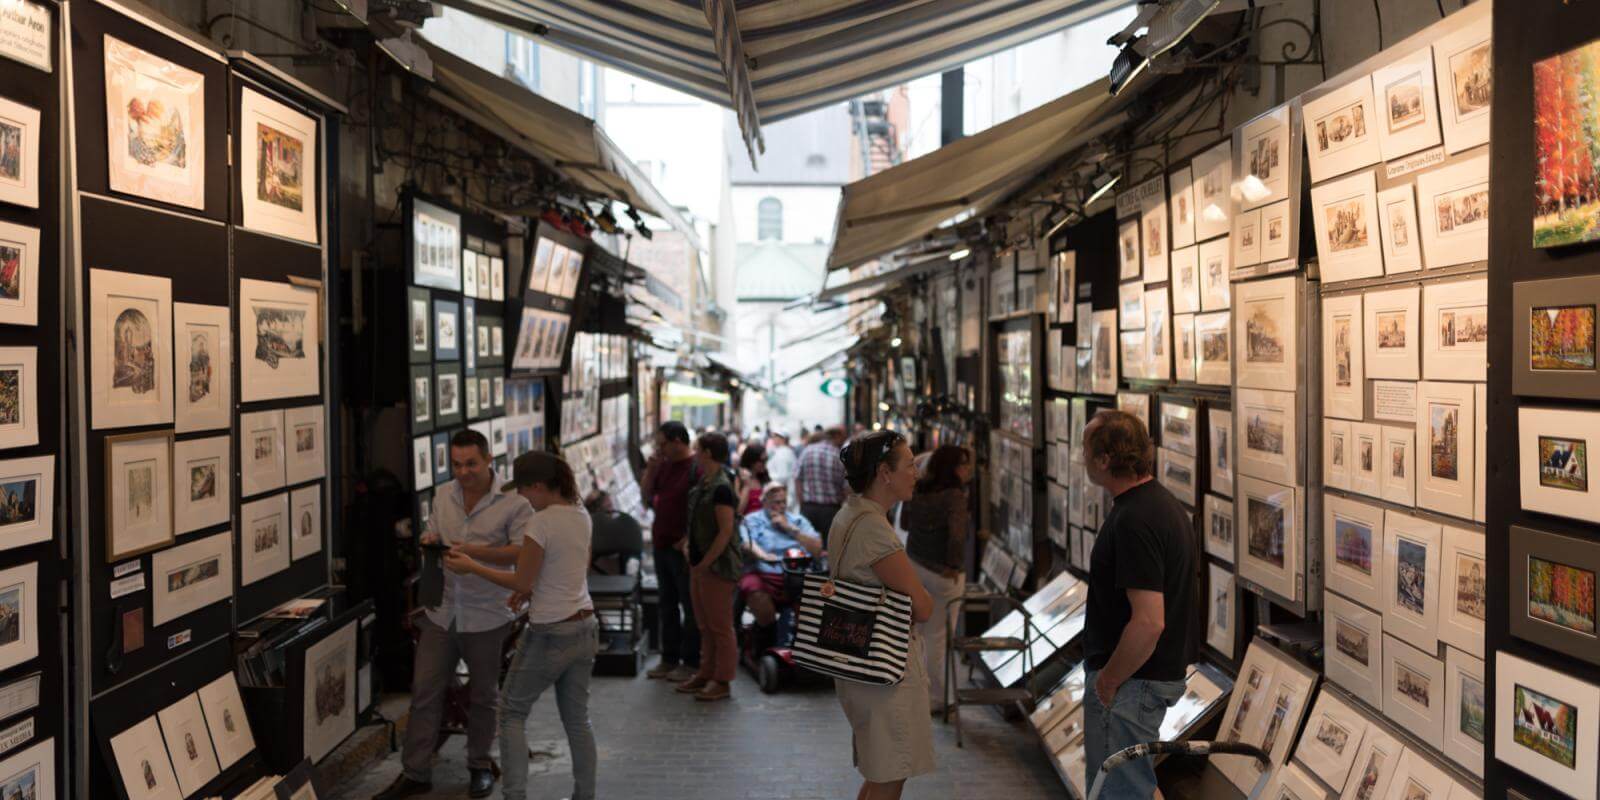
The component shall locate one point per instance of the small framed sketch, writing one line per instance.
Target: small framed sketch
(225, 719)
(1177, 473)
(305, 521)
(1465, 711)
(1133, 351)
(422, 462)
(27, 501)
(1375, 765)
(421, 398)
(446, 330)
(1553, 337)
(203, 364)
(466, 330)
(1265, 424)
(1130, 304)
(1464, 67)
(1418, 779)
(1221, 610)
(1410, 118)
(1213, 178)
(183, 726)
(1180, 184)
(138, 493)
(1411, 578)
(1346, 212)
(1153, 233)
(1391, 333)
(1397, 478)
(202, 483)
(142, 762)
(1270, 515)
(1246, 238)
(19, 169)
(1214, 351)
(1157, 335)
(130, 351)
(19, 280)
(419, 305)
(1344, 382)
(497, 279)
(1221, 444)
(1179, 427)
(1130, 267)
(1397, 226)
(1353, 543)
(1277, 233)
(1553, 592)
(1186, 280)
(190, 577)
(1333, 735)
(1266, 159)
(264, 538)
(1105, 373)
(1445, 423)
(1366, 446)
(278, 184)
(1455, 331)
(1341, 130)
(1184, 352)
(261, 456)
(1455, 213)
(447, 406)
(1414, 690)
(155, 125)
(1137, 404)
(31, 772)
(1215, 272)
(1546, 723)
(1336, 458)
(1356, 659)
(303, 444)
(1219, 527)
(441, 458)
(1265, 331)
(280, 341)
(469, 273)
(435, 246)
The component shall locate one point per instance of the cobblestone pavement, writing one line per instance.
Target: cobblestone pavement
(796, 744)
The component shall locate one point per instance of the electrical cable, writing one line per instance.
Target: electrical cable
(1378, 10)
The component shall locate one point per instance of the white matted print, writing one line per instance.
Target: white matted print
(1336, 458)
(1066, 292)
(1344, 382)
(19, 607)
(183, 726)
(1213, 181)
(1184, 355)
(202, 363)
(1267, 441)
(1414, 690)
(263, 538)
(1219, 528)
(142, 763)
(329, 705)
(155, 126)
(19, 266)
(280, 339)
(190, 576)
(1455, 332)
(1419, 779)
(1453, 201)
(1341, 130)
(1269, 521)
(1128, 250)
(1553, 458)
(1103, 344)
(1464, 65)
(1277, 239)
(1130, 306)
(1411, 578)
(1265, 159)
(422, 462)
(1153, 234)
(303, 444)
(1547, 723)
(1246, 238)
(1157, 335)
(1408, 117)
(1353, 549)
(225, 718)
(1186, 280)
(305, 521)
(1221, 441)
(1265, 333)
(279, 178)
(1179, 428)
(1397, 224)
(30, 773)
(1375, 765)
(1215, 271)
(1346, 216)
(1221, 610)
(19, 154)
(1133, 354)
(1445, 433)
(261, 456)
(1480, 471)
(1398, 471)
(202, 482)
(1465, 710)
(1213, 349)
(138, 498)
(1180, 184)
(1391, 333)
(1355, 660)
(130, 352)
(1463, 590)
(27, 501)
(1366, 446)
(436, 247)
(1332, 736)
(1177, 472)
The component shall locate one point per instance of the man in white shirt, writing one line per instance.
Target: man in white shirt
(781, 459)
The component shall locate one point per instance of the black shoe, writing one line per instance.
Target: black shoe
(482, 782)
(402, 787)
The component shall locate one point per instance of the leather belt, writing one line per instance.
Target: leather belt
(581, 615)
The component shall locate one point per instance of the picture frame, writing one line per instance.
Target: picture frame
(497, 278)
(1266, 159)
(1130, 305)
(1412, 549)
(19, 596)
(19, 284)
(142, 762)
(1270, 534)
(497, 437)
(469, 274)
(1186, 280)
(1177, 473)
(203, 362)
(163, 160)
(1212, 333)
(130, 351)
(1283, 707)
(1390, 333)
(1179, 427)
(1453, 201)
(422, 462)
(1083, 331)
(1465, 710)
(447, 391)
(202, 481)
(1184, 356)
(446, 330)
(328, 707)
(280, 352)
(1480, 471)
(34, 766)
(1341, 130)
(1266, 334)
(1563, 760)
(1130, 267)
(1336, 454)
(194, 762)
(1553, 341)
(1346, 217)
(305, 521)
(1105, 373)
(1219, 528)
(1246, 238)
(1267, 442)
(1154, 235)
(1374, 767)
(1417, 777)
(1366, 451)
(1464, 66)
(1213, 178)
(1245, 710)
(225, 719)
(539, 270)
(279, 178)
(191, 576)
(1332, 737)
(1180, 194)
(435, 246)
(303, 432)
(1455, 336)
(1277, 233)
(441, 458)
(1220, 439)
(1398, 473)
(421, 404)
(466, 331)
(27, 501)
(419, 305)
(1397, 226)
(1405, 91)
(1216, 270)
(1222, 611)
(138, 502)
(263, 538)
(1541, 561)
(1414, 690)
(1445, 422)
(1355, 661)
(1563, 213)
(20, 130)
(1354, 549)
(1157, 335)
(1344, 384)
(261, 456)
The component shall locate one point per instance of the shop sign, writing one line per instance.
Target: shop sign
(836, 387)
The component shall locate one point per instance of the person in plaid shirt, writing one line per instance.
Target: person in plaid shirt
(819, 479)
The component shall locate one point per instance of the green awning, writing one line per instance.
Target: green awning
(682, 394)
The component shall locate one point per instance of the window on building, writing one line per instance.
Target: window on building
(769, 219)
(522, 61)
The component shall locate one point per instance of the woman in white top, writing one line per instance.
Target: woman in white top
(558, 647)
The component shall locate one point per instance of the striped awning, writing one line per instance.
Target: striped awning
(773, 59)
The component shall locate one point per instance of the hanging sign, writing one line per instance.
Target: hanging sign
(836, 387)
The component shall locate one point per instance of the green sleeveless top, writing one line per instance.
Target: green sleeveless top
(704, 497)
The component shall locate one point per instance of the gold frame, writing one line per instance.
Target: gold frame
(112, 555)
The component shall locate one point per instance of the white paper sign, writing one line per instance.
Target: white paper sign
(25, 33)
(16, 734)
(19, 696)
(129, 585)
(1394, 400)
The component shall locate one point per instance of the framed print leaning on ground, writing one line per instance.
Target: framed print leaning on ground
(202, 364)
(1547, 723)
(190, 577)
(130, 349)
(1464, 599)
(194, 762)
(19, 154)
(1553, 325)
(1411, 578)
(280, 341)
(155, 126)
(1269, 521)
(1353, 549)
(225, 718)
(278, 178)
(1553, 592)
(1355, 661)
(143, 764)
(19, 278)
(202, 481)
(138, 502)
(1553, 458)
(1414, 690)
(329, 705)
(1266, 334)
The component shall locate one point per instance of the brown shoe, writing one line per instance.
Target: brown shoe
(682, 673)
(715, 690)
(660, 671)
(691, 686)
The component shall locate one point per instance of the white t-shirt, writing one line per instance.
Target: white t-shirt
(562, 588)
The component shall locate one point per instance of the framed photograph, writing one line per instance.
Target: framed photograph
(1153, 233)
(329, 706)
(138, 496)
(155, 126)
(421, 398)
(202, 481)
(27, 501)
(1130, 305)
(1445, 423)
(1128, 242)
(435, 246)
(1366, 447)
(419, 305)
(1343, 363)
(1277, 233)
(1454, 201)
(1137, 404)
(441, 458)
(497, 341)
(1411, 578)
(1105, 373)
(1179, 423)
(469, 273)
(1186, 280)
(447, 405)
(1176, 471)
(446, 330)
(278, 183)
(1397, 478)
(225, 719)
(1374, 767)
(280, 350)
(303, 444)
(1355, 661)
(1397, 224)
(1546, 723)
(19, 263)
(1219, 527)
(203, 364)
(1267, 442)
(1563, 213)
(1214, 351)
(1270, 552)
(1266, 325)
(142, 763)
(497, 279)
(1553, 337)
(1246, 238)
(130, 352)
(19, 604)
(1353, 549)
(1221, 444)
(305, 521)
(1464, 66)
(422, 462)
(1410, 117)
(1414, 690)
(1221, 609)
(1336, 458)
(263, 538)
(1213, 177)
(1553, 591)
(1391, 333)
(191, 576)
(261, 456)
(1157, 335)
(1266, 159)
(1346, 212)
(1332, 736)
(1341, 130)
(183, 726)
(1180, 184)
(1466, 711)
(1455, 336)
(1215, 272)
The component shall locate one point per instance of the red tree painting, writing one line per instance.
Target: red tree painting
(1566, 121)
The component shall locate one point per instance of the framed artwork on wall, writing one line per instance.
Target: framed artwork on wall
(1266, 325)
(421, 462)
(446, 330)
(1332, 736)
(303, 444)
(447, 390)
(279, 177)
(33, 767)
(1464, 67)
(1455, 330)
(1344, 382)
(190, 577)
(1184, 355)
(1213, 179)
(1214, 350)
(1454, 200)
(1180, 183)
(1267, 444)
(19, 171)
(1157, 335)
(1375, 765)
(1397, 224)
(1134, 351)
(130, 352)
(1219, 527)
(1397, 474)
(19, 282)
(466, 330)
(1353, 549)
(28, 486)
(1269, 518)
(1221, 610)
(261, 457)
(1409, 120)
(264, 538)
(1553, 337)
(194, 762)
(1355, 660)
(1247, 706)
(202, 481)
(1411, 578)
(1215, 270)
(203, 365)
(441, 457)
(435, 246)
(1480, 471)
(138, 498)
(155, 126)
(1186, 280)
(421, 398)
(497, 279)
(420, 307)
(305, 521)
(1246, 238)
(1220, 441)
(1414, 690)
(1177, 473)
(1546, 723)
(19, 596)
(1130, 305)
(1341, 130)
(1104, 373)
(1564, 212)
(1445, 423)
(142, 762)
(1465, 710)
(1553, 591)
(1128, 244)
(469, 274)
(1345, 213)
(225, 719)
(1137, 404)
(1391, 333)
(280, 341)
(1417, 777)
(1266, 159)
(1366, 445)
(1277, 233)
(1179, 427)
(1336, 458)
(328, 710)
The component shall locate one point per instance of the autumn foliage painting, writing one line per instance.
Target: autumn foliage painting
(1561, 595)
(1562, 338)
(1566, 135)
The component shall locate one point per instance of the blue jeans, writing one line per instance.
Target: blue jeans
(1134, 718)
(559, 654)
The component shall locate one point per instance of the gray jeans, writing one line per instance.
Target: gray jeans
(559, 654)
(438, 653)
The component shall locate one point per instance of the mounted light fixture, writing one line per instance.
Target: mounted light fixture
(883, 406)
(1165, 23)
(895, 342)
(1103, 182)
(961, 253)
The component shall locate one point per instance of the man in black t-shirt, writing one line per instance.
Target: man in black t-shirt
(1142, 597)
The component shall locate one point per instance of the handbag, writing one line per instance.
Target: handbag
(853, 631)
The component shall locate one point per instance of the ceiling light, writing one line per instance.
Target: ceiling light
(960, 254)
(1103, 183)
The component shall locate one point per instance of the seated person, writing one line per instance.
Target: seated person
(617, 538)
(770, 531)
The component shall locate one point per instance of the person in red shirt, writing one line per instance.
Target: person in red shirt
(668, 475)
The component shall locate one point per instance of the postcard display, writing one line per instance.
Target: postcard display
(175, 553)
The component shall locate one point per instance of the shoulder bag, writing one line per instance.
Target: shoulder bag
(852, 631)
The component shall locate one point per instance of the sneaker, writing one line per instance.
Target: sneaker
(682, 673)
(691, 686)
(403, 787)
(713, 691)
(661, 670)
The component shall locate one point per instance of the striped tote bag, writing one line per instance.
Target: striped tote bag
(852, 631)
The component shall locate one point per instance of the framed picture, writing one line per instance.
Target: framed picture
(1465, 710)
(1180, 185)
(1215, 272)
(1137, 404)
(1454, 200)
(1266, 324)
(1332, 736)
(191, 576)
(261, 456)
(422, 462)
(203, 363)
(1336, 447)
(202, 481)
(1397, 226)
(1418, 778)
(27, 501)
(421, 398)
(466, 328)
(1480, 471)
(1153, 233)
(280, 351)
(1445, 423)
(303, 444)
(1105, 373)
(435, 246)
(497, 279)
(1546, 723)
(1553, 337)
(1221, 444)
(1157, 335)
(155, 126)
(419, 306)
(278, 183)
(1410, 117)
(1391, 333)
(1270, 553)
(497, 341)
(1341, 130)
(1353, 549)
(1176, 471)
(1277, 233)
(1213, 177)
(1563, 214)
(1553, 591)
(142, 762)
(1246, 238)
(1397, 473)
(447, 406)
(183, 726)
(19, 263)
(1374, 767)
(1464, 67)
(30, 773)
(473, 409)
(1219, 527)
(138, 496)
(305, 521)
(130, 352)
(329, 705)
(1343, 358)
(1179, 427)
(225, 719)
(1355, 661)
(1265, 423)
(1130, 304)
(1455, 335)
(1130, 267)
(446, 330)
(1283, 708)
(1346, 212)
(1186, 280)
(1221, 609)
(1266, 159)
(19, 154)
(1414, 690)
(1366, 447)
(1411, 578)
(1214, 351)
(539, 270)
(19, 599)
(441, 458)
(263, 539)
(469, 273)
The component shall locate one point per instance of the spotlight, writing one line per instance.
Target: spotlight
(1165, 23)
(960, 254)
(883, 406)
(1103, 182)
(895, 342)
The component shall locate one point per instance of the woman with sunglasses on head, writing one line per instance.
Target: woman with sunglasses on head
(893, 736)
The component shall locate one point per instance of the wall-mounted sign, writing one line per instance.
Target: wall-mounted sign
(836, 387)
